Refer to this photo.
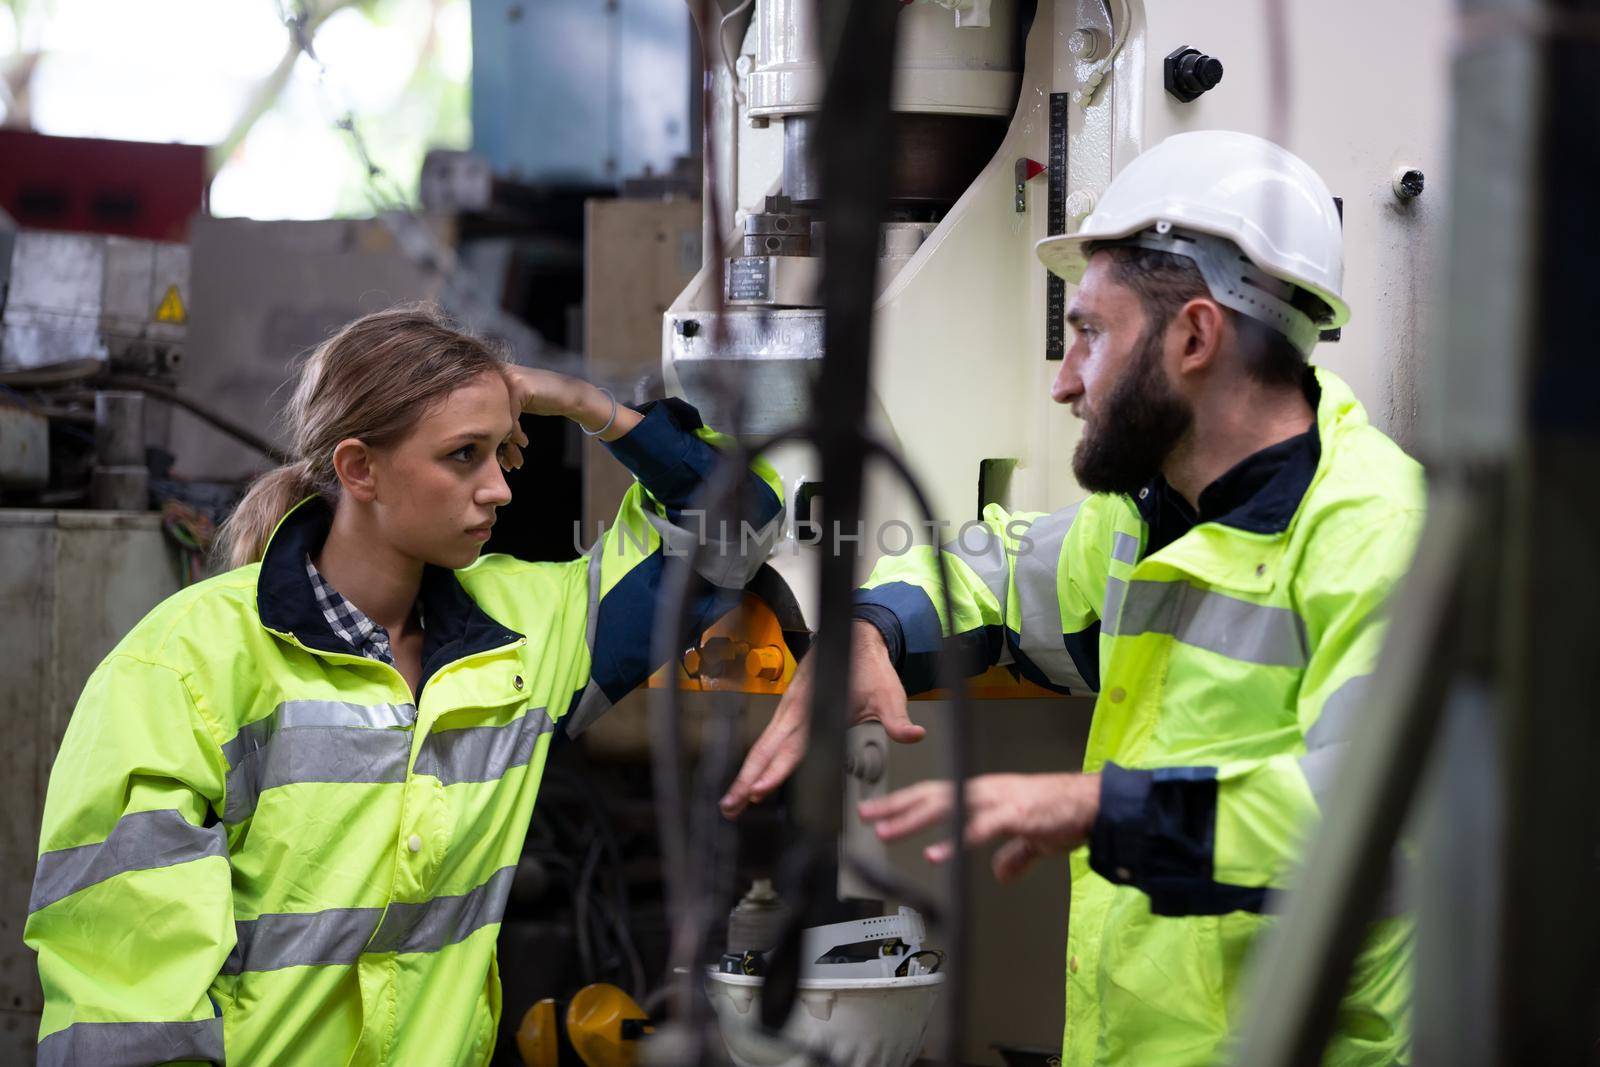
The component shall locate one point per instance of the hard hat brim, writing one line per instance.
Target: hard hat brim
(1063, 254)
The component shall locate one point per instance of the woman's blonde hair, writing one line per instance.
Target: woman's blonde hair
(373, 380)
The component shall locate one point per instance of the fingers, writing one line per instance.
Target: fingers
(770, 761)
(778, 750)
(1012, 859)
(984, 823)
(908, 810)
(898, 725)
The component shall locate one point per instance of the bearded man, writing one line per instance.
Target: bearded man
(1221, 590)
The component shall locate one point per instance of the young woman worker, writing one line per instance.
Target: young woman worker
(284, 820)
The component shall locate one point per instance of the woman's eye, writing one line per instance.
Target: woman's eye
(464, 453)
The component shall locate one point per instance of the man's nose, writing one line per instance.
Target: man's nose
(1068, 385)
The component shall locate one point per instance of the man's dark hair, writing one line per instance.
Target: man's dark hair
(1165, 282)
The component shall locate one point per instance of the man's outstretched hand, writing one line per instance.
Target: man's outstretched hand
(875, 694)
(1037, 814)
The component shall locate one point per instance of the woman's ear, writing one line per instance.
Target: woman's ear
(352, 462)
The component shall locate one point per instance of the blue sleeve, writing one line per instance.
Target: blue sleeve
(1156, 832)
(671, 454)
(904, 614)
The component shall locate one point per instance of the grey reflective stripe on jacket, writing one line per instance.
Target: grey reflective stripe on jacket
(1125, 548)
(133, 1044)
(594, 702)
(297, 713)
(1041, 638)
(316, 741)
(1327, 744)
(343, 935)
(482, 753)
(1330, 736)
(140, 841)
(729, 557)
(983, 550)
(1203, 618)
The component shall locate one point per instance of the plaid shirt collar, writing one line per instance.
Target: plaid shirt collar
(365, 637)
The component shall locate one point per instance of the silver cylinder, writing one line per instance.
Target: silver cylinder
(119, 429)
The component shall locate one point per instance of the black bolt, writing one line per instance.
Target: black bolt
(1409, 186)
(688, 327)
(1188, 72)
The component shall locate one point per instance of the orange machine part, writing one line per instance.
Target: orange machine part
(744, 652)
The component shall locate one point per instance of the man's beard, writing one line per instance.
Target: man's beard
(1133, 431)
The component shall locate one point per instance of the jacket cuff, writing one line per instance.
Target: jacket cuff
(1156, 831)
(664, 454)
(1118, 839)
(920, 637)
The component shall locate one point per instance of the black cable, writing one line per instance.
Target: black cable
(216, 420)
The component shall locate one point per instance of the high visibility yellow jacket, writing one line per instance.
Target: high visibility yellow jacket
(1230, 663)
(259, 849)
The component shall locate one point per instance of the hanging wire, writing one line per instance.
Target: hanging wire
(383, 191)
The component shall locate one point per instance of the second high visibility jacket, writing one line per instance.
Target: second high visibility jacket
(1230, 664)
(258, 848)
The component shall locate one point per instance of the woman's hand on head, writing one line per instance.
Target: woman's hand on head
(511, 456)
(535, 391)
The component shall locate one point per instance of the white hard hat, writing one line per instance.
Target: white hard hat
(1224, 184)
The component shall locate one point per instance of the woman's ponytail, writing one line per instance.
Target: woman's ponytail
(243, 537)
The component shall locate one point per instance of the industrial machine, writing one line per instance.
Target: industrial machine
(1010, 118)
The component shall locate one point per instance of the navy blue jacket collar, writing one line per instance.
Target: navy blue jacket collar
(1260, 493)
(456, 626)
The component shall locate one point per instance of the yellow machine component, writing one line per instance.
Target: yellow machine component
(600, 1027)
(605, 1025)
(539, 1036)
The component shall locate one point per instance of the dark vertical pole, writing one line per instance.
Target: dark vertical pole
(852, 146)
(1550, 981)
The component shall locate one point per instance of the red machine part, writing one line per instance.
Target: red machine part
(89, 185)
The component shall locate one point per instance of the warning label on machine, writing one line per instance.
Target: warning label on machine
(171, 308)
(749, 278)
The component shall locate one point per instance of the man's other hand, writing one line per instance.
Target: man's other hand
(1036, 814)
